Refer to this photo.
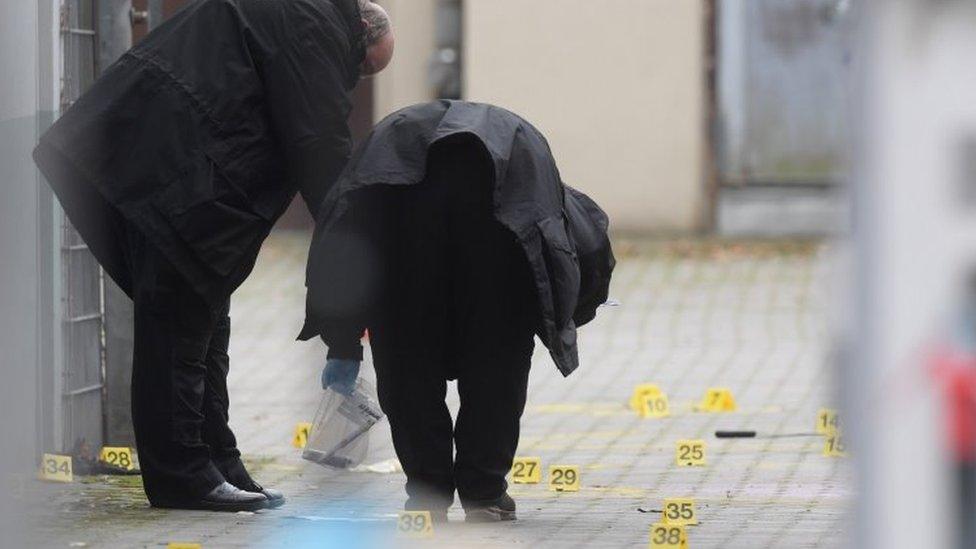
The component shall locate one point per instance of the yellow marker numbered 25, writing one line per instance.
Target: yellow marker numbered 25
(415, 524)
(679, 511)
(669, 536)
(690, 453)
(564, 478)
(527, 470)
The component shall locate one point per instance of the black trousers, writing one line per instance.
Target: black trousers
(460, 305)
(179, 383)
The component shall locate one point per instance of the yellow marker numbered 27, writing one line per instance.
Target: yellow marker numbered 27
(117, 456)
(679, 511)
(669, 536)
(415, 524)
(564, 478)
(527, 470)
(56, 468)
(690, 453)
(300, 438)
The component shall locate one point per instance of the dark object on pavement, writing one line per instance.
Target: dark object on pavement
(498, 511)
(753, 434)
(225, 497)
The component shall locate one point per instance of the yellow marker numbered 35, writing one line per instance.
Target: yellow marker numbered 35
(117, 456)
(527, 470)
(415, 524)
(55, 468)
(564, 478)
(670, 536)
(300, 438)
(690, 453)
(679, 511)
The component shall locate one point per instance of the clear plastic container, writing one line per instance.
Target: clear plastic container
(339, 438)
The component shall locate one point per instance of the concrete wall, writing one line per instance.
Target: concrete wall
(406, 80)
(617, 85)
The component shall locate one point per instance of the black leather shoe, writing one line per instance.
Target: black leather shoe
(500, 510)
(225, 497)
(274, 497)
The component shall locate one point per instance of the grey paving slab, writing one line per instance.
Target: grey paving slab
(694, 314)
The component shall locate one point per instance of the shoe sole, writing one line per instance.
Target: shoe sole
(489, 514)
(275, 503)
(219, 507)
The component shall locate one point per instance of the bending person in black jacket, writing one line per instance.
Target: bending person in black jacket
(453, 240)
(173, 167)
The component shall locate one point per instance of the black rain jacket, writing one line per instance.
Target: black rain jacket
(562, 231)
(201, 135)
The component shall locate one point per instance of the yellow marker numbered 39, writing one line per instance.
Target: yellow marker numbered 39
(690, 453)
(56, 468)
(564, 478)
(300, 438)
(655, 406)
(828, 422)
(670, 536)
(834, 446)
(415, 524)
(679, 511)
(527, 470)
(117, 456)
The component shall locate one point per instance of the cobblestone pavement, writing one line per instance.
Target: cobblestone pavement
(694, 314)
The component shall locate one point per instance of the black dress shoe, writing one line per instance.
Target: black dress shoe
(502, 509)
(274, 497)
(225, 497)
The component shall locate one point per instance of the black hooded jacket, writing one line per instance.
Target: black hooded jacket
(562, 231)
(201, 135)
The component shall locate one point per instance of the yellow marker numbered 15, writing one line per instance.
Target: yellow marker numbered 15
(655, 406)
(641, 392)
(117, 456)
(828, 422)
(527, 470)
(415, 524)
(834, 446)
(56, 468)
(300, 438)
(564, 478)
(670, 536)
(690, 453)
(680, 511)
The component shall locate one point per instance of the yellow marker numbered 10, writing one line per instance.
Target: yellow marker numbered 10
(828, 422)
(690, 453)
(415, 524)
(717, 399)
(834, 446)
(670, 536)
(527, 470)
(679, 511)
(641, 392)
(119, 457)
(56, 468)
(564, 478)
(300, 438)
(655, 406)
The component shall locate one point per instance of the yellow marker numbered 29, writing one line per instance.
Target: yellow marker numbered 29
(117, 456)
(564, 478)
(56, 468)
(655, 406)
(670, 536)
(527, 470)
(834, 446)
(828, 422)
(415, 524)
(690, 453)
(300, 438)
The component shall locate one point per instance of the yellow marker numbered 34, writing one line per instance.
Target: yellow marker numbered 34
(564, 478)
(669, 536)
(55, 468)
(527, 470)
(680, 511)
(117, 456)
(415, 524)
(690, 453)
(300, 438)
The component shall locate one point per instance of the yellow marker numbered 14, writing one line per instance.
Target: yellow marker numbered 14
(300, 438)
(641, 392)
(117, 456)
(690, 453)
(680, 511)
(527, 470)
(828, 422)
(415, 524)
(564, 478)
(669, 536)
(55, 468)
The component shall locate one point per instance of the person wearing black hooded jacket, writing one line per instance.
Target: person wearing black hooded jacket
(453, 240)
(173, 167)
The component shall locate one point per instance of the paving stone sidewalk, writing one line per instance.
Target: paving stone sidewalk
(694, 314)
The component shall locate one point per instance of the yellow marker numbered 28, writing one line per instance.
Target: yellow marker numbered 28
(56, 468)
(415, 524)
(690, 453)
(670, 536)
(679, 511)
(527, 470)
(117, 456)
(564, 478)
(300, 438)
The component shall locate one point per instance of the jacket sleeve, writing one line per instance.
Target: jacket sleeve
(309, 104)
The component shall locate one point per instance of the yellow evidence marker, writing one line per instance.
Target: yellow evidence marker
(671, 536)
(679, 511)
(300, 439)
(828, 422)
(117, 456)
(690, 453)
(834, 446)
(55, 468)
(641, 392)
(717, 399)
(655, 406)
(564, 478)
(527, 470)
(415, 524)
(183, 545)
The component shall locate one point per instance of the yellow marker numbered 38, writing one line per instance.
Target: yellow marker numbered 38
(680, 511)
(300, 438)
(690, 453)
(564, 478)
(56, 468)
(655, 406)
(671, 536)
(415, 524)
(828, 422)
(527, 470)
(117, 456)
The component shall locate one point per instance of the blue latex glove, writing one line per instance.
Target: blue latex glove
(340, 374)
